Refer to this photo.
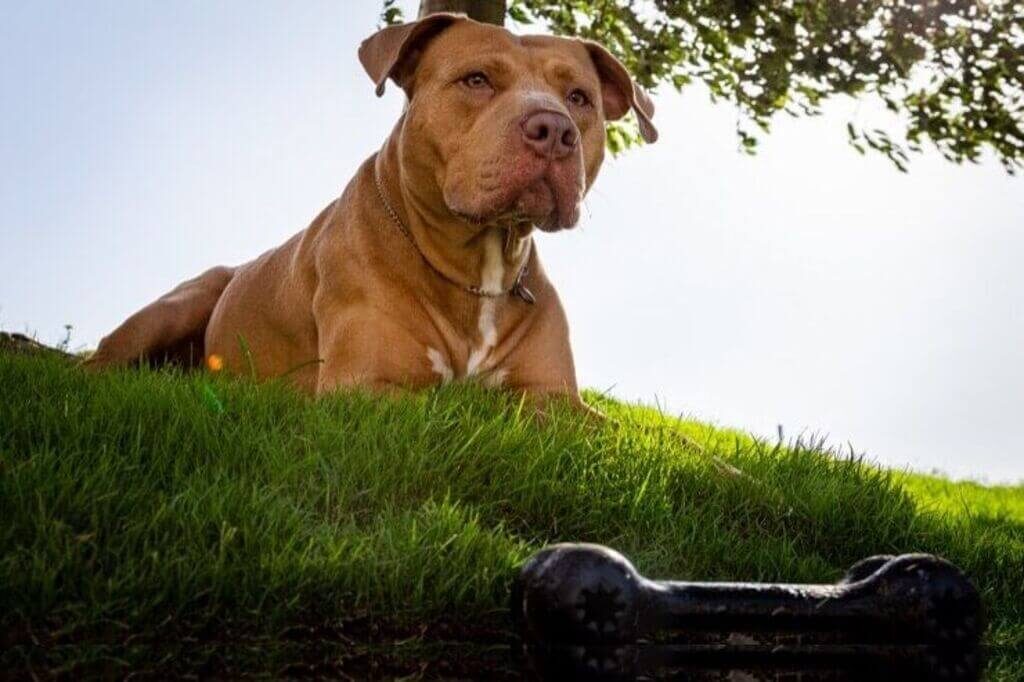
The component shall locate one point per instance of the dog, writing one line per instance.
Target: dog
(424, 270)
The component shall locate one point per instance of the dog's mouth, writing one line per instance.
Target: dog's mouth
(541, 205)
(548, 199)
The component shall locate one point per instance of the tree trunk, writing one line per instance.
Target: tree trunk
(488, 11)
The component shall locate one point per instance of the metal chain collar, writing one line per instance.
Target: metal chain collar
(519, 289)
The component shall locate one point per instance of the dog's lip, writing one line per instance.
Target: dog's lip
(510, 212)
(510, 216)
(515, 219)
(510, 202)
(559, 217)
(566, 202)
(552, 227)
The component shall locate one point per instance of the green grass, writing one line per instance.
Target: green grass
(179, 524)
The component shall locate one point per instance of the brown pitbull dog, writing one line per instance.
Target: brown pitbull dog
(424, 270)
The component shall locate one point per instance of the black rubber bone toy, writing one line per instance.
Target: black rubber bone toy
(584, 612)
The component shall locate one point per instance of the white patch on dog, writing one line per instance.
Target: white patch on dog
(495, 378)
(492, 276)
(492, 273)
(440, 365)
(488, 329)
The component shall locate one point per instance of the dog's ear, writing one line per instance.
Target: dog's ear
(393, 52)
(619, 93)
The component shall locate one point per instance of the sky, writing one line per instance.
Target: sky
(808, 286)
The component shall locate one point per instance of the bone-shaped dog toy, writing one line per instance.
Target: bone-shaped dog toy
(584, 611)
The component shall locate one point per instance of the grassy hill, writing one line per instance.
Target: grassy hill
(182, 524)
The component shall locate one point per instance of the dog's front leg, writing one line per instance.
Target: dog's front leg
(360, 348)
(544, 400)
(541, 365)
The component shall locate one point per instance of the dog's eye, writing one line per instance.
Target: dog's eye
(578, 98)
(476, 80)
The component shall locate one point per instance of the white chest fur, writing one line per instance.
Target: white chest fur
(480, 362)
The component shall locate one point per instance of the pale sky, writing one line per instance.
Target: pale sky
(143, 142)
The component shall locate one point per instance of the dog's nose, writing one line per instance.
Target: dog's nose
(550, 134)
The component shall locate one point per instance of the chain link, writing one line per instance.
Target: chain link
(518, 289)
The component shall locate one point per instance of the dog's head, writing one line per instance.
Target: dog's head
(501, 128)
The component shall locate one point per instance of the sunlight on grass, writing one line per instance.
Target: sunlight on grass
(133, 498)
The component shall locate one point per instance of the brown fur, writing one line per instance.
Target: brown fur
(350, 301)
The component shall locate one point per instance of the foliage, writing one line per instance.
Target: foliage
(184, 525)
(391, 13)
(950, 71)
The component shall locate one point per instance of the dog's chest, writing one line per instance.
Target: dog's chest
(481, 361)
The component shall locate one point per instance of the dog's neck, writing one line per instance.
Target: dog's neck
(484, 256)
